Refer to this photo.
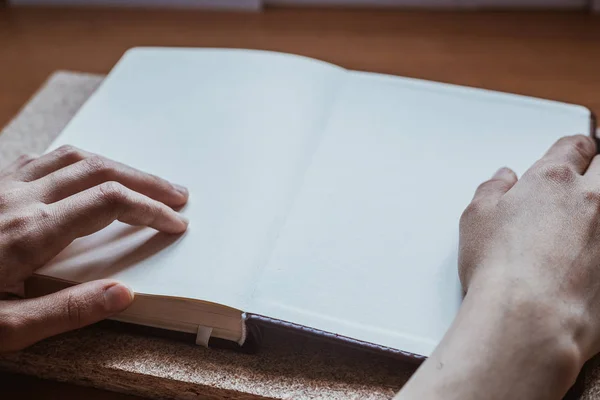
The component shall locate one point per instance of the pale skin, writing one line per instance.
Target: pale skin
(529, 263)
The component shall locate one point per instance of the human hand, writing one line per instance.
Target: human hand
(539, 238)
(45, 204)
(529, 261)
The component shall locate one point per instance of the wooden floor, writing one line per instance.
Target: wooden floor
(552, 55)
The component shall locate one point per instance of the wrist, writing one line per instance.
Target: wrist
(532, 322)
(507, 342)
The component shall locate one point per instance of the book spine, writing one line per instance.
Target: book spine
(255, 322)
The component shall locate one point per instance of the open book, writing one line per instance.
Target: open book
(321, 199)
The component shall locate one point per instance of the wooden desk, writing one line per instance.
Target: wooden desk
(552, 55)
(14, 386)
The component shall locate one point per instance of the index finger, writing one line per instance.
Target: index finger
(94, 170)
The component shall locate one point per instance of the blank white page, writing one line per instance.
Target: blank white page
(369, 250)
(237, 128)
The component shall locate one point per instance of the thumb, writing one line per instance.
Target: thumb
(32, 320)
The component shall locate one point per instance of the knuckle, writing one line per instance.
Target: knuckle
(68, 152)
(583, 145)
(147, 208)
(72, 311)
(111, 190)
(42, 213)
(25, 158)
(30, 220)
(146, 211)
(148, 217)
(501, 184)
(113, 193)
(558, 173)
(42, 218)
(18, 222)
(473, 210)
(98, 165)
(493, 184)
(592, 197)
(482, 186)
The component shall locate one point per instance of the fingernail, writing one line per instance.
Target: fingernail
(181, 189)
(184, 219)
(118, 297)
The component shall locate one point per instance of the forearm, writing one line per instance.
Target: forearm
(505, 343)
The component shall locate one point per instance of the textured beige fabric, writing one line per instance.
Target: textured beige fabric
(286, 367)
(46, 114)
